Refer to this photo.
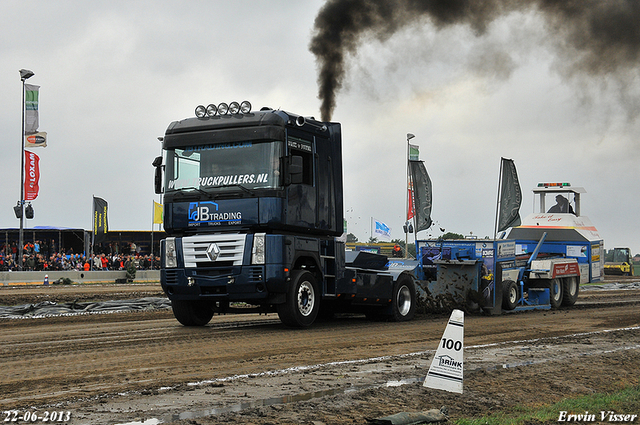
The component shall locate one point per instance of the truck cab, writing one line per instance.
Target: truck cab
(253, 210)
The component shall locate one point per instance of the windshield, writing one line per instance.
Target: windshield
(620, 256)
(252, 165)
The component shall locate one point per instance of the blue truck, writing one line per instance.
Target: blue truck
(253, 212)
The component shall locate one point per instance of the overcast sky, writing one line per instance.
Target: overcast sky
(113, 75)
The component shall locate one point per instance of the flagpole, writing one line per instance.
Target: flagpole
(24, 75)
(93, 230)
(371, 228)
(495, 228)
(406, 216)
(153, 220)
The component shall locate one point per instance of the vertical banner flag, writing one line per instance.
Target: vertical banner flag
(157, 213)
(414, 155)
(421, 195)
(99, 220)
(381, 230)
(36, 140)
(31, 121)
(32, 175)
(510, 196)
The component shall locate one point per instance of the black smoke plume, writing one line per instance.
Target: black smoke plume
(592, 37)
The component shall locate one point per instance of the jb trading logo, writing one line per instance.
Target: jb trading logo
(202, 212)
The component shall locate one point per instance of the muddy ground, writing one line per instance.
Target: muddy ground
(143, 367)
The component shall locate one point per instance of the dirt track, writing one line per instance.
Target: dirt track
(124, 367)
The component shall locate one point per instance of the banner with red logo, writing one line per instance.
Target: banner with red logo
(36, 140)
(32, 175)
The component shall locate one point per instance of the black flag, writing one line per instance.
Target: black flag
(99, 220)
(510, 196)
(421, 195)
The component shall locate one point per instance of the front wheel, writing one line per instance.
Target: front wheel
(192, 313)
(303, 301)
(403, 300)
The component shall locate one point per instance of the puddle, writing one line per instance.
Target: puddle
(241, 406)
(146, 422)
(264, 403)
(403, 382)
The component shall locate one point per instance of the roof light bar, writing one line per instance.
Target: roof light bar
(232, 108)
(554, 184)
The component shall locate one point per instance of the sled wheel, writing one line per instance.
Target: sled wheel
(509, 295)
(555, 293)
(571, 290)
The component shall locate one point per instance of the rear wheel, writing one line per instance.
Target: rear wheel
(404, 300)
(192, 313)
(555, 293)
(509, 295)
(571, 290)
(303, 301)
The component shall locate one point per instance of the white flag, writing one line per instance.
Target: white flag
(381, 230)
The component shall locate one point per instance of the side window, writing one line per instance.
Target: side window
(307, 166)
(303, 149)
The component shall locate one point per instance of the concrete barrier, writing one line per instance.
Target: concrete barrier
(37, 278)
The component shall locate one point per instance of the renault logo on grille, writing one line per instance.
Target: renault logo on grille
(213, 251)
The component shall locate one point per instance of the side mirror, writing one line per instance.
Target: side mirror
(294, 170)
(158, 175)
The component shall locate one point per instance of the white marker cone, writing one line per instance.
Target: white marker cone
(446, 371)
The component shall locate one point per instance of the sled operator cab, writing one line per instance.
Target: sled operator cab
(558, 212)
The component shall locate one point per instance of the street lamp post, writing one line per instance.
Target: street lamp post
(25, 74)
(406, 233)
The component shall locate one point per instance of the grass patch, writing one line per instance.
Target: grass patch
(623, 402)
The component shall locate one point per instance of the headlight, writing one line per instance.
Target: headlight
(258, 250)
(223, 109)
(234, 108)
(170, 255)
(245, 107)
(201, 111)
(212, 110)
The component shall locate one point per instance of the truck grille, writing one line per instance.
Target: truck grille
(230, 248)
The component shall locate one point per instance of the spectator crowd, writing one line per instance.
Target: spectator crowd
(39, 256)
